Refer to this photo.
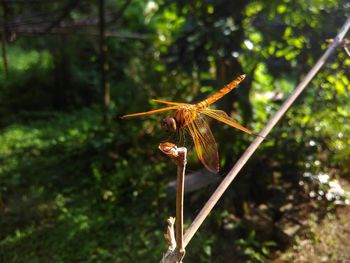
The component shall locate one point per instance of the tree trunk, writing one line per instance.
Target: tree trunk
(4, 39)
(103, 59)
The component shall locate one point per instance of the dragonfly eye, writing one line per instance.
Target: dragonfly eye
(168, 124)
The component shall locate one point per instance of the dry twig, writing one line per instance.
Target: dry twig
(347, 51)
(180, 156)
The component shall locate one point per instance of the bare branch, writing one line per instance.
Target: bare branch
(120, 13)
(29, 1)
(104, 65)
(180, 156)
(181, 166)
(347, 50)
(4, 39)
(65, 12)
(33, 31)
(4, 54)
(170, 234)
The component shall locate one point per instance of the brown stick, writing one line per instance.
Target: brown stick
(174, 255)
(103, 59)
(347, 50)
(181, 167)
(4, 39)
(255, 144)
(4, 54)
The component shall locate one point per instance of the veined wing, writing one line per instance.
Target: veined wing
(170, 102)
(223, 117)
(139, 114)
(204, 143)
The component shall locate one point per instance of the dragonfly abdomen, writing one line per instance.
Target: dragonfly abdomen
(222, 92)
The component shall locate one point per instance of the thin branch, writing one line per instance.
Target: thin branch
(32, 18)
(347, 51)
(174, 255)
(4, 39)
(65, 12)
(255, 144)
(4, 54)
(119, 13)
(29, 1)
(33, 31)
(181, 167)
(44, 18)
(170, 234)
(104, 60)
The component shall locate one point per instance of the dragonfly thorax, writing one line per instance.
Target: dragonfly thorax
(182, 117)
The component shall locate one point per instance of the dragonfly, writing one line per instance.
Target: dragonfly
(191, 117)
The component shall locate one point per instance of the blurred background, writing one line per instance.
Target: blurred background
(78, 184)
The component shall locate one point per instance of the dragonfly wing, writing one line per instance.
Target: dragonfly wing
(169, 102)
(204, 143)
(223, 117)
(139, 114)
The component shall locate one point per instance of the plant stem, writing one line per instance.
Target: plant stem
(181, 167)
(176, 254)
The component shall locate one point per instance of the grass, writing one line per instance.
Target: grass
(62, 197)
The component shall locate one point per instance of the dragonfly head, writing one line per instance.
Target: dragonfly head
(168, 124)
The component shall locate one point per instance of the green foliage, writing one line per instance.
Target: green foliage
(60, 183)
(254, 250)
(25, 88)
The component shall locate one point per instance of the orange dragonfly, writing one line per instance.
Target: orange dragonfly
(190, 117)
